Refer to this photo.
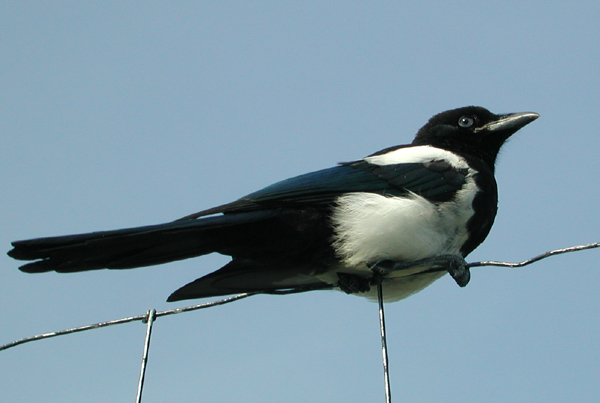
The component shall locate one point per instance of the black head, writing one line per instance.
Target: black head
(472, 131)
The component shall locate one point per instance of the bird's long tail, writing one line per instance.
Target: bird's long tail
(141, 246)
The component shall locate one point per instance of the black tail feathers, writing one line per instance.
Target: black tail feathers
(135, 247)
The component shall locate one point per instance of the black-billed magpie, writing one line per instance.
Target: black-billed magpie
(325, 229)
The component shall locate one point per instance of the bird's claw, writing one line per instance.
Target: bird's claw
(353, 284)
(455, 265)
(458, 269)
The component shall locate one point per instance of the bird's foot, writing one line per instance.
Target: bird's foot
(458, 269)
(353, 284)
(455, 265)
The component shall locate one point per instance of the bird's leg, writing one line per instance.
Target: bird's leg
(453, 264)
(352, 284)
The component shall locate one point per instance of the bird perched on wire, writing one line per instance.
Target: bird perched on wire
(413, 211)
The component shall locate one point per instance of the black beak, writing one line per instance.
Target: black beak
(509, 123)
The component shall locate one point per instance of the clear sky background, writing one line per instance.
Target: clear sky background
(117, 114)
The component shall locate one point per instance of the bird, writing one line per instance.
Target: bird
(411, 213)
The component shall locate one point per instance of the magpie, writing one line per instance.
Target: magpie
(404, 205)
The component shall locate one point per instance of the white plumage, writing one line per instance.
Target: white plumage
(370, 227)
(418, 154)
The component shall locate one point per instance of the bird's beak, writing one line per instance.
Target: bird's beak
(511, 122)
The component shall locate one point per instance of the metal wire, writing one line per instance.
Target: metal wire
(124, 320)
(150, 316)
(536, 258)
(384, 351)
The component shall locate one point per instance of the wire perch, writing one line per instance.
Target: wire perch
(150, 316)
(384, 351)
(141, 318)
(536, 258)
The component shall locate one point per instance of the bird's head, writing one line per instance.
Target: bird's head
(472, 130)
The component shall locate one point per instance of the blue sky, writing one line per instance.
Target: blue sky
(117, 114)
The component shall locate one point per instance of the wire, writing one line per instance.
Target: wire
(150, 316)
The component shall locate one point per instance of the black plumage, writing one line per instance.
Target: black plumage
(284, 236)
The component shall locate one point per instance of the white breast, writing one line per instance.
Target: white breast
(370, 227)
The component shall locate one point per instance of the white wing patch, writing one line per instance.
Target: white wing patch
(418, 154)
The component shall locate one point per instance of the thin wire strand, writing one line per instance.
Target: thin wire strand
(384, 350)
(536, 258)
(124, 320)
(245, 295)
(150, 317)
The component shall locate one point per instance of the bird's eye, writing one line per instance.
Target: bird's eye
(465, 121)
